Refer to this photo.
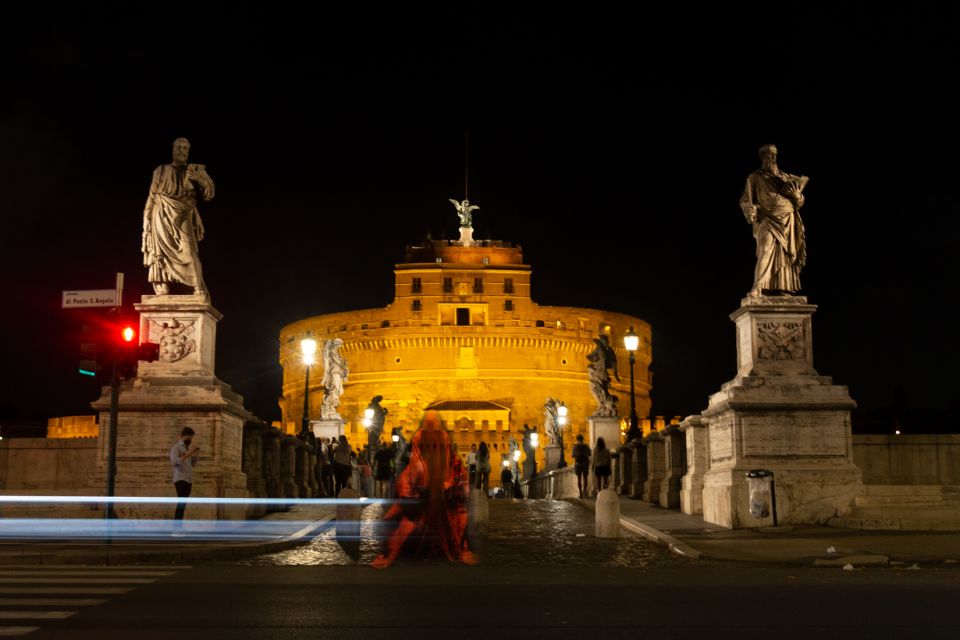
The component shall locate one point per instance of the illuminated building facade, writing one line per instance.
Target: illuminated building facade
(463, 335)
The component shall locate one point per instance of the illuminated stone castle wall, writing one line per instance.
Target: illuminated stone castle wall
(463, 327)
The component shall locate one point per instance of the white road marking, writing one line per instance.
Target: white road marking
(86, 591)
(51, 602)
(35, 615)
(16, 631)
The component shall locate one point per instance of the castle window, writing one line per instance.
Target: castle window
(385, 324)
(417, 285)
(500, 425)
(463, 317)
(539, 323)
(508, 305)
(478, 285)
(508, 285)
(448, 285)
(415, 306)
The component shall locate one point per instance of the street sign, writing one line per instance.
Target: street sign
(90, 298)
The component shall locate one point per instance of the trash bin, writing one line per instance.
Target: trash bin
(763, 497)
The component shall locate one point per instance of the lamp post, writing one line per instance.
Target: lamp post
(561, 423)
(308, 347)
(631, 341)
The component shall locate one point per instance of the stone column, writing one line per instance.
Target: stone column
(675, 463)
(694, 429)
(639, 468)
(288, 466)
(271, 465)
(655, 468)
(301, 470)
(253, 465)
(779, 414)
(178, 390)
(626, 466)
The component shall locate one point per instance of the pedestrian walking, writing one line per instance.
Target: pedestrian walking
(601, 465)
(472, 464)
(366, 476)
(483, 468)
(506, 480)
(342, 465)
(383, 471)
(581, 464)
(183, 458)
(327, 473)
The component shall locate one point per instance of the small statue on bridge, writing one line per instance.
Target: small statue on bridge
(601, 359)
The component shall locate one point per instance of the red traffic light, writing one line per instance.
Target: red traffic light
(128, 334)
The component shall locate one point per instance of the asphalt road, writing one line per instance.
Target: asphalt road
(264, 602)
(536, 579)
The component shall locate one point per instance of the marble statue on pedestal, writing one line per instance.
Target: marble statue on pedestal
(601, 359)
(771, 202)
(335, 372)
(172, 227)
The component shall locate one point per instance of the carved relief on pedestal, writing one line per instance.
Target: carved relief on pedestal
(175, 338)
(780, 340)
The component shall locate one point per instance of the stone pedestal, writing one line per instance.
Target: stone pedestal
(529, 468)
(179, 390)
(466, 236)
(694, 429)
(552, 454)
(606, 427)
(332, 429)
(779, 414)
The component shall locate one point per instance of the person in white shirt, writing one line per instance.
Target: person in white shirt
(183, 457)
(472, 464)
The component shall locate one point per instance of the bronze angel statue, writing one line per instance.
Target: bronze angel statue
(465, 211)
(602, 358)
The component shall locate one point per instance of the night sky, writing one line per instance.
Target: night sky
(611, 143)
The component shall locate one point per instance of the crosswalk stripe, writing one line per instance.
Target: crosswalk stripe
(81, 574)
(16, 631)
(51, 602)
(35, 615)
(79, 580)
(94, 567)
(87, 591)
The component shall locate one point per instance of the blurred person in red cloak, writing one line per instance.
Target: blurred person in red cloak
(427, 511)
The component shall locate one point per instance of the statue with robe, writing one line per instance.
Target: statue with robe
(172, 227)
(602, 358)
(771, 203)
(335, 372)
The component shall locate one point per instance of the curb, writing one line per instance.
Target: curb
(673, 544)
(128, 557)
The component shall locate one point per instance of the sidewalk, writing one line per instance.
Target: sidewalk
(690, 536)
(198, 544)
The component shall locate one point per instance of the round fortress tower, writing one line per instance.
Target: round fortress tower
(463, 336)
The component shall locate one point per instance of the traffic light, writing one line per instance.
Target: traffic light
(130, 353)
(90, 350)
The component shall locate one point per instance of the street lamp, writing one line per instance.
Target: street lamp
(308, 347)
(561, 423)
(367, 418)
(631, 341)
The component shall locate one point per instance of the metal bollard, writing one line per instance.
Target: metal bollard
(607, 514)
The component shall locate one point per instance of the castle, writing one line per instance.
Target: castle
(463, 336)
